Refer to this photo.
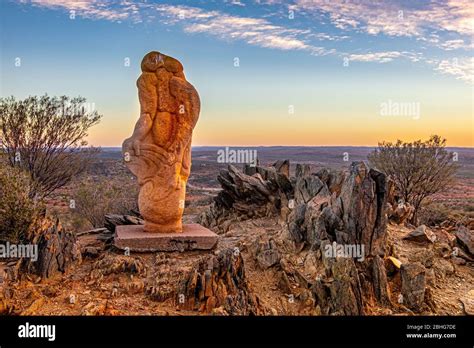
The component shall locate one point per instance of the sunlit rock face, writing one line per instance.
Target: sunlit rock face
(159, 151)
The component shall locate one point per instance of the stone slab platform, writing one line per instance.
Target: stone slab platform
(193, 237)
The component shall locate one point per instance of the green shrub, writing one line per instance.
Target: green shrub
(17, 209)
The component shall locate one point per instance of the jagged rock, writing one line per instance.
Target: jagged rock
(164, 281)
(413, 285)
(114, 264)
(57, 249)
(283, 167)
(113, 220)
(266, 253)
(364, 198)
(400, 212)
(423, 255)
(357, 215)
(296, 226)
(380, 283)
(430, 277)
(421, 235)
(340, 293)
(443, 268)
(218, 281)
(328, 207)
(263, 193)
(308, 185)
(294, 274)
(332, 178)
(466, 239)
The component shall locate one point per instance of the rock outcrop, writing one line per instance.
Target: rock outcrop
(57, 250)
(254, 192)
(413, 285)
(465, 238)
(218, 285)
(326, 210)
(348, 211)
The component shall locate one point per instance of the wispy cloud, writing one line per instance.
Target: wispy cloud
(393, 19)
(254, 31)
(385, 56)
(381, 57)
(460, 68)
(92, 9)
(445, 25)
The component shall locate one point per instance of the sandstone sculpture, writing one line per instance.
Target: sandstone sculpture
(159, 151)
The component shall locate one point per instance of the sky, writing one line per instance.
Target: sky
(268, 72)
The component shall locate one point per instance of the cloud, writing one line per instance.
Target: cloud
(91, 9)
(393, 19)
(380, 57)
(450, 45)
(460, 68)
(254, 31)
(385, 56)
(446, 25)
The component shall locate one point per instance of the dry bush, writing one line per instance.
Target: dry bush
(17, 210)
(44, 136)
(96, 197)
(419, 169)
(433, 214)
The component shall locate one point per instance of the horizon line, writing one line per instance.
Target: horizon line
(221, 146)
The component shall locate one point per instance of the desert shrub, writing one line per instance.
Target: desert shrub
(419, 169)
(44, 136)
(96, 197)
(433, 214)
(17, 210)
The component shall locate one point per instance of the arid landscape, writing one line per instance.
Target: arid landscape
(236, 171)
(259, 266)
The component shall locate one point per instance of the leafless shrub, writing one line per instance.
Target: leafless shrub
(44, 136)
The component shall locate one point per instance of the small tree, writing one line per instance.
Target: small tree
(419, 169)
(45, 137)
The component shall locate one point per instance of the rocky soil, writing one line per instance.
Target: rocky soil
(272, 257)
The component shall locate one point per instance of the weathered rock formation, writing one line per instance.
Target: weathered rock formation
(347, 210)
(218, 285)
(159, 151)
(255, 192)
(324, 209)
(465, 238)
(413, 285)
(57, 249)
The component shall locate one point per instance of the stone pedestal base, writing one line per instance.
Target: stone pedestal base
(193, 237)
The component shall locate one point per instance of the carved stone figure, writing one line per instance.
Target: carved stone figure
(159, 151)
